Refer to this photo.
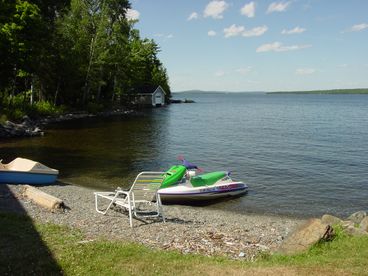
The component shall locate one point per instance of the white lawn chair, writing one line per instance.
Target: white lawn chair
(142, 193)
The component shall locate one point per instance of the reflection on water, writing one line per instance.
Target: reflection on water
(300, 154)
(100, 152)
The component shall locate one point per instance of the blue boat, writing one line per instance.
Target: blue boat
(25, 171)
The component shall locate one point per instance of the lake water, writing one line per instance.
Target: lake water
(301, 155)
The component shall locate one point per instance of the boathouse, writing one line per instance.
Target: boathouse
(151, 97)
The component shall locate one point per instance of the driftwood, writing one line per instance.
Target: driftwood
(43, 199)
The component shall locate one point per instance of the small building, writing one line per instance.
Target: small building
(151, 97)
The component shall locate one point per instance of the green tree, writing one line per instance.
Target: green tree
(26, 29)
(95, 33)
(146, 70)
(74, 52)
(19, 41)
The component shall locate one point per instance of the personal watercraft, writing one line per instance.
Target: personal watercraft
(183, 184)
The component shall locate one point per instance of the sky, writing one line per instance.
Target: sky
(241, 46)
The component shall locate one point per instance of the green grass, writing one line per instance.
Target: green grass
(344, 253)
(46, 249)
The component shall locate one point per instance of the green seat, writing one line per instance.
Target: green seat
(206, 179)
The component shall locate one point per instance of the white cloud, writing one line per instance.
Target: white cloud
(233, 30)
(278, 47)
(192, 16)
(257, 31)
(305, 71)
(278, 7)
(249, 10)
(215, 9)
(219, 73)
(243, 71)
(211, 33)
(132, 14)
(358, 27)
(296, 30)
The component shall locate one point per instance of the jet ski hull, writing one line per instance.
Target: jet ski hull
(203, 193)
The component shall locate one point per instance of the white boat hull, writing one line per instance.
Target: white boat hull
(184, 192)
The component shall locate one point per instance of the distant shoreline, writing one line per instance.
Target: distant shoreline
(332, 91)
(328, 91)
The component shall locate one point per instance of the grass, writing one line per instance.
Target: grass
(343, 254)
(46, 249)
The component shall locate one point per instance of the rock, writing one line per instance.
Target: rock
(331, 220)
(354, 231)
(357, 217)
(241, 255)
(313, 231)
(26, 121)
(364, 224)
(347, 223)
(3, 132)
(26, 128)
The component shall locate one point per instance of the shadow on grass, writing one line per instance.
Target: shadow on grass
(22, 250)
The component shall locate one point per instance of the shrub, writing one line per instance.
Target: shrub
(3, 118)
(44, 108)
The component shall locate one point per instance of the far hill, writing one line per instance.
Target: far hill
(213, 92)
(332, 91)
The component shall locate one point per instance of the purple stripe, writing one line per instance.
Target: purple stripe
(209, 192)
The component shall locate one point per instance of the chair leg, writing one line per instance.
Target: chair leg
(130, 212)
(159, 207)
(102, 211)
(96, 205)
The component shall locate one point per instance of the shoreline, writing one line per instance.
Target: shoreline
(187, 229)
(35, 127)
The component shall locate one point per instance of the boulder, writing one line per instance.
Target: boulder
(3, 132)
(313, 231)
(347, 223)
(354, 231)
(357, 217)
(27, 128)
(364, 224)
(331, 220)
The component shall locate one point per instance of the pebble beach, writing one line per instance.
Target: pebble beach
(188, 229)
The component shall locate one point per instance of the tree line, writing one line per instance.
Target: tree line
(73, 53)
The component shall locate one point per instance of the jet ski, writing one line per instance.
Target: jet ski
(182, 183)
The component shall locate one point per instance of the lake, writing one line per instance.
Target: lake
(301, 155)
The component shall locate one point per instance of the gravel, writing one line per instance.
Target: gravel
(187, 229)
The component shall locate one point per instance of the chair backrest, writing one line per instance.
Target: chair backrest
(146, 184)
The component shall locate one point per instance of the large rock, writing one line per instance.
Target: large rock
(3, 132)
(354, 231)
(357, 217)
(331, 220)
(307, 235)
(347, 223)
(27, 128)
(364, 224)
